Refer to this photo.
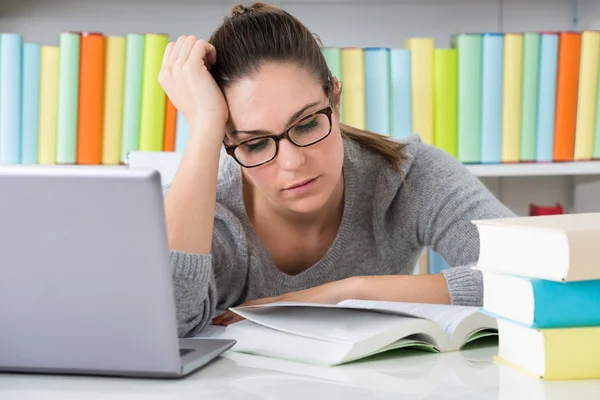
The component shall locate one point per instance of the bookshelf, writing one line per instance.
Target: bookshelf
(360, 23)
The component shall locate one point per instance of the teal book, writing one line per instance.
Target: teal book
(540, 303)
(11, 60)
(132, 96)
(529, 98)
(377, 90)
(469, 47)
(30, 108)
(491, 97)
(68, 97)
(333, 57)
(182, 133)
(400, 92)
(437, 263)
(544, 141)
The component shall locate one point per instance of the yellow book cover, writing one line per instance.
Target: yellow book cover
(511, 97)
(47, 131)
(353, 92)
(551, 354)
(586, 98)
(152, 120)
(422, 86)
(114, 80)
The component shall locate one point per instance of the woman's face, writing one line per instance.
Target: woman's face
(299, 179)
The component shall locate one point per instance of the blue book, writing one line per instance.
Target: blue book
(377, 90)
(10, 97)
(540, 303)
(181, 133)
(491, 97)
(30, 108)
(400, 85)
(436, 262)
(546, 97)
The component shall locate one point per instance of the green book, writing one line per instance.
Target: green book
(333, 56)
(152, 120)
(446, 100)
(468, 47)
(132, 98)
(68, 97)
(529, 99)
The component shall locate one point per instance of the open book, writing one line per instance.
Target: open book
(326, 334)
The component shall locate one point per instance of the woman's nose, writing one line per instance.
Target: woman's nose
(290, 156)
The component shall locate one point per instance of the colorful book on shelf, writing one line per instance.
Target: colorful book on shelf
(469, 53)
(491, 97)
(183, 132)
(333, 57)
(10, 97)
(587, 95)
(30, 103)
(49, 88)
(377, 90)
(400, 105)
(132, 94)
(544, 145)
(551, 354)
(114, 80)
(511, 97)
(422, 87)
(552, 247)
(446, 100)
(532, 301)
(170, 126)
(353, 93)
(325, 334)
(529, 95)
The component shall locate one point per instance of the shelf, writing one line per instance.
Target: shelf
(536, 169)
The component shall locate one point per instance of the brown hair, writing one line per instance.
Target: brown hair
(261, 33)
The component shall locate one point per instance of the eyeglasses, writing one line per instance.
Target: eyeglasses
(256, 151)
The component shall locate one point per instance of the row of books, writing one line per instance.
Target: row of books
(491, 98)
(90, 100)
(541, 283)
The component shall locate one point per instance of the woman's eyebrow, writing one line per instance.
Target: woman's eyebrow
(292, 119)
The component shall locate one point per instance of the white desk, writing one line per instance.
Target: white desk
(470, 374)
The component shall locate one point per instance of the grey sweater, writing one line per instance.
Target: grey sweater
(385, 226)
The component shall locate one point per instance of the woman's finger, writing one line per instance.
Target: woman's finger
(185, 50)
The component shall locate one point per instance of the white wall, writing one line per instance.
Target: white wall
(359, 23)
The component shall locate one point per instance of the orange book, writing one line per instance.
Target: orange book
(91, 99)
(170, 126)
(567, 84)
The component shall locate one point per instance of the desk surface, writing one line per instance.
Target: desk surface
(406, 374)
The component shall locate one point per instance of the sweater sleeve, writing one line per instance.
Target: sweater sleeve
(204, 283)
(449, 198)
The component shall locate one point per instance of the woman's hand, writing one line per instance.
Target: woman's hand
(186, 79)
(329, 293)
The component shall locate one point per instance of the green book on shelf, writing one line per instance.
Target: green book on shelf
(333, 56)
(529, 100)
(445, 100)
(68, 97)
(469, 96)
(132, 97)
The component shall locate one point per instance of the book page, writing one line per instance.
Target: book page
(446, 316)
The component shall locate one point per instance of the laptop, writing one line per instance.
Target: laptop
(85, 275)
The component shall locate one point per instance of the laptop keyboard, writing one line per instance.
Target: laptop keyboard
(183, 352)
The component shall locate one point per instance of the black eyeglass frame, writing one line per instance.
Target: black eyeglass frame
(328, 111)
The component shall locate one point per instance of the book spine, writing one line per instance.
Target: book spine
(422, 88)
(546, 97)
(569, 54)
(587, 95)
(11, 59)
(152, 124)
(68, 97)
(511, 97)
(333, 57)
(91, 99)
(446, 99)
(596, 149)
(31, 103)
(170, 126)
(183, 131)
(49, 86)
(400, 105)
(531, 68)
(113, 100)
(377, 90)
(353, 93)
(491, 98)
(132, 96)
(469, 97)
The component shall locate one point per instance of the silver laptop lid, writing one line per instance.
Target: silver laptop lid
(85, 278)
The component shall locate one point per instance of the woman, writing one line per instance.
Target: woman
(301, 207)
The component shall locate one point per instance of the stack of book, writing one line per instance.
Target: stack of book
(541, 279)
